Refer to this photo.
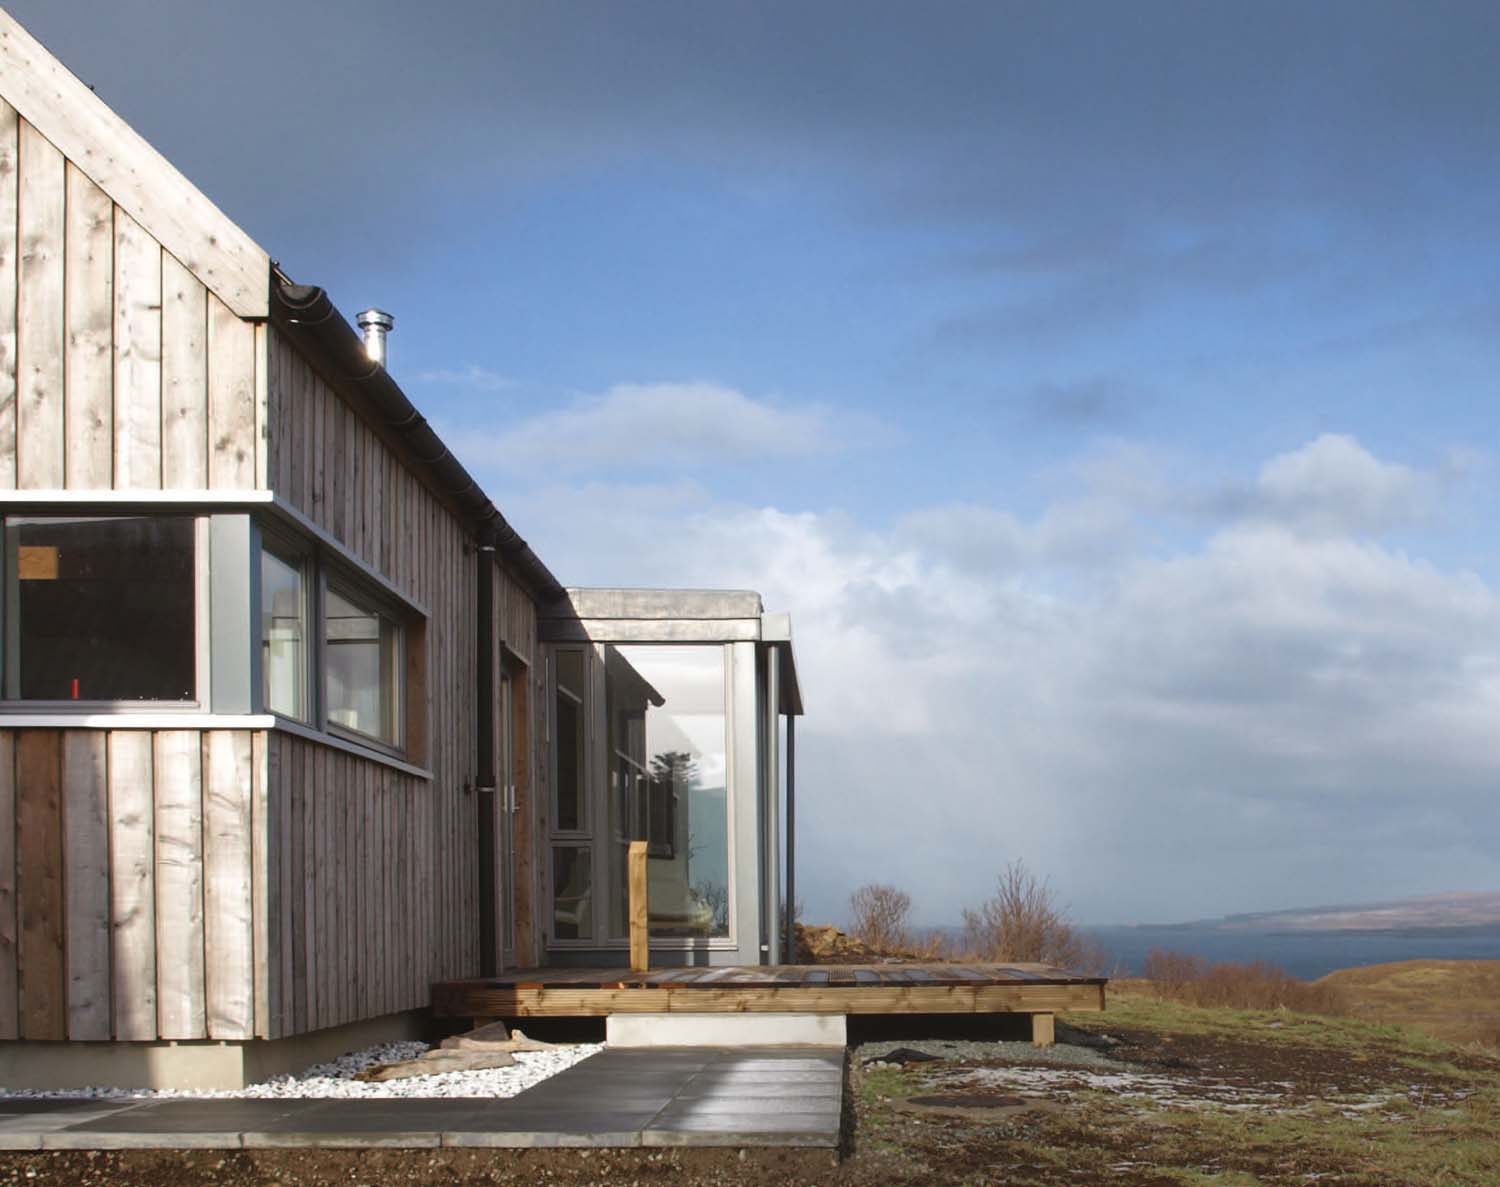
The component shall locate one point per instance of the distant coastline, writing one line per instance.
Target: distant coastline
(1313, 942)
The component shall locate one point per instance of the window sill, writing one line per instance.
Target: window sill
(134, 719)
(337, 742)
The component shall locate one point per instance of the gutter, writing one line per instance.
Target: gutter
(308, 317)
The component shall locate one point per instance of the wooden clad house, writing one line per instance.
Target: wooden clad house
(293, 724)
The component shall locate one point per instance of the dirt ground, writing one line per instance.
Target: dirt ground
(1144, 1096)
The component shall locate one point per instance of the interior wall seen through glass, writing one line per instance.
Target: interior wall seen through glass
(283, 635)
(362, 648)
(668, 786)
(101, 609)
(568, 721)
(572, 893)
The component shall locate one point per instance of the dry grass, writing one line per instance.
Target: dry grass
(1454, 1000)
(1193, 981)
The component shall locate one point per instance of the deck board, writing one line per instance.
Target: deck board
(828, 989)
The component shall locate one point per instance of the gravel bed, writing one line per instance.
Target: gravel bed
(334, 1079)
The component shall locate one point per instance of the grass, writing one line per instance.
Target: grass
(1342, 1100)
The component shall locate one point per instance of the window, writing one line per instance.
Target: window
(283, 634)
(671, 704)
(362, 649)
(101, 609)
(568, 721)
(572, 893)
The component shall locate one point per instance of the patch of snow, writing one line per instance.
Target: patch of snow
(335, 1079)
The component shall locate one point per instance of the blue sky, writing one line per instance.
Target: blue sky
(1108, 391)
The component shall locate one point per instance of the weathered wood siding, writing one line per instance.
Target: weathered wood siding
(125, 884)
(379, 889)
(118, 368)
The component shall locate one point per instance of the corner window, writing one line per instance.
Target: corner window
(362, 648)
(101, 609)
(283, 634)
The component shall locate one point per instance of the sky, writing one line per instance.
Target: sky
(1107, 391)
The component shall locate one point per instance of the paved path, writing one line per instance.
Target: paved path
(683, 1097)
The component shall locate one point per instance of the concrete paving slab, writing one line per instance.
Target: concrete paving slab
(623, 1098)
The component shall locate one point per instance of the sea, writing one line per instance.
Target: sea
(1304, 954)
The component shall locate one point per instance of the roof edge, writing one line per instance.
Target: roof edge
(307, 315)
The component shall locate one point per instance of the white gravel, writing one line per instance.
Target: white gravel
(334, 1080)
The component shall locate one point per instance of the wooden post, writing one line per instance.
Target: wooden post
(640, 948)
(1043, 1030)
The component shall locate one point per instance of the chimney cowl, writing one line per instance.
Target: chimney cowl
(375, 324)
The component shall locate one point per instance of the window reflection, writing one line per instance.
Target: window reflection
(101, 609)
(668, 780)
(283, 635)
(363, 646)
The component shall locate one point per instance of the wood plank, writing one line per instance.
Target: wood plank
(39, 866)
(475, 999)
(262, 405)
(288, 816)
(640, 921)
(265, 893)
(1043, 1030)
(85, 781)
(9, 997)
(180, 979)
(305, 852)
(228, 922)
(298, 761)
(9, 189)
(89, 310)
(40, 330)
(231, 398)
(131, 893)
(138, 177)
(184, 377)
(137, 356)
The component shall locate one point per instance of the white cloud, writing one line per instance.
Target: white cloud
(1334, 484)
(687, 425)
(1264, 717)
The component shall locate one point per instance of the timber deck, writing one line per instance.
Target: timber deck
(799, 989)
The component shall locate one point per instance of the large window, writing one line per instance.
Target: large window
(283, 633)
(101, 609)
(334, 649)
(673, 785)
(362, 648)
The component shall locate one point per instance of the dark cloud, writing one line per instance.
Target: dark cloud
(1089, 404)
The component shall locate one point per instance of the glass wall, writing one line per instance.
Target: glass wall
(668, 780)
(101, 609)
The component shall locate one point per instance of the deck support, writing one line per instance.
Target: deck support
(640, 913)
(1043, 1030)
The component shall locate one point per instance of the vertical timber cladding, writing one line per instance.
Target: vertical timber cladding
(380, 883)
(126, 902)
(118, 368)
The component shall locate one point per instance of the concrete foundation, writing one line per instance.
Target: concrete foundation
(196, 1065)
(726, 1030)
